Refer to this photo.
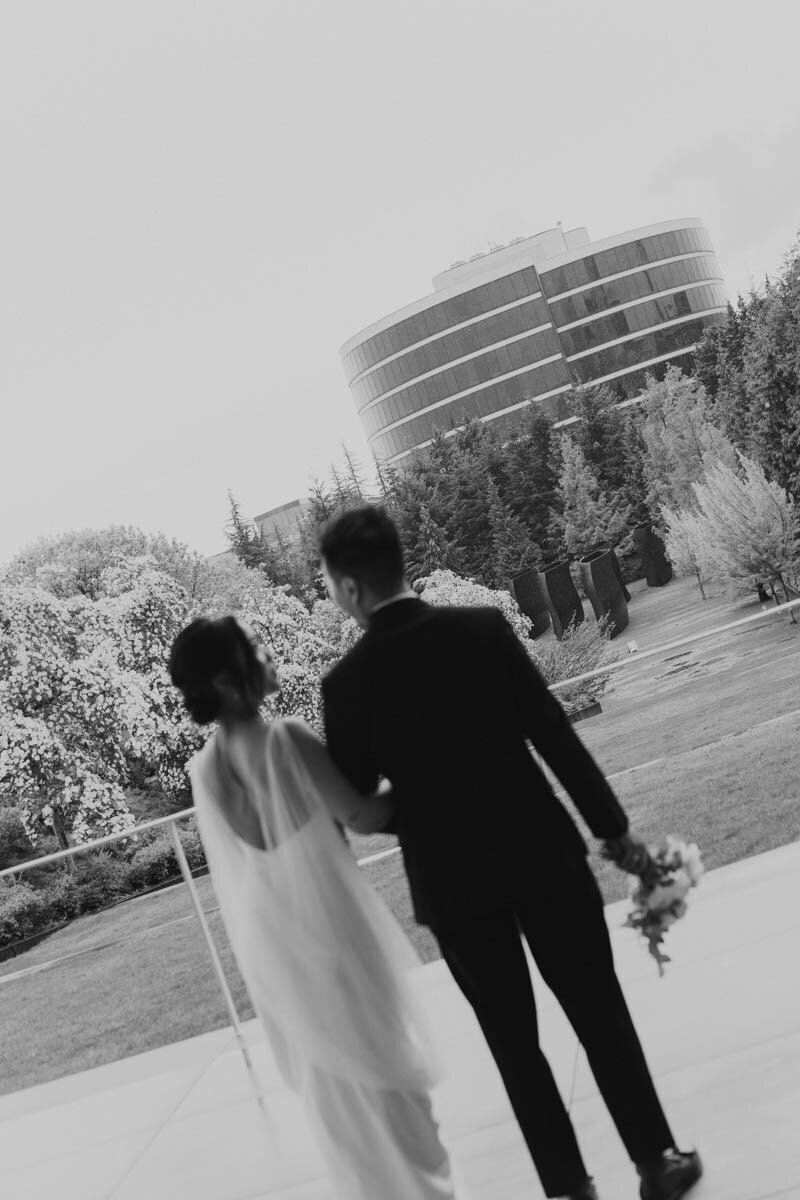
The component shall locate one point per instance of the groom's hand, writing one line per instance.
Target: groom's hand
(629, 853)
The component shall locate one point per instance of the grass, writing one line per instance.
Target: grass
(700, 742)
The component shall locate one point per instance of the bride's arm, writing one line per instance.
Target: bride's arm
(362, 814)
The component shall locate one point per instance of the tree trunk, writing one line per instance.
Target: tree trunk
(60, 830)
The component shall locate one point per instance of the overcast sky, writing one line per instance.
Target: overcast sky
(201, 201)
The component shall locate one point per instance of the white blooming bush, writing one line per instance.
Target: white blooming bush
(581, 649)
(87, 709)
(336, 629)
(86, 703)
(62, 721)
(143, 609)
(446, 588)
(301, 650)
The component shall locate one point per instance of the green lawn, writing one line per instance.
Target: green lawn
(701, 743)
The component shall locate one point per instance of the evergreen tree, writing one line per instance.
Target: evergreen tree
(684, 539)
(532, 477)
(680, 439)
(386, 478)
(512, 549)
(634, 486)
(587, 516)
(709, 355)
(430, 550)
(750, 526)
(340, 488)
(455, 482)
(247, 543)
(771, 375)
(353, 475)
(600, 433)
(319, 505)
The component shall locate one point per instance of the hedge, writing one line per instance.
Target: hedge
(23, 911)
(93, 883)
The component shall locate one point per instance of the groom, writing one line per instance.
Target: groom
(443, 703)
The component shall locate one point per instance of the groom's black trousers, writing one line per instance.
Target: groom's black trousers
(564, 926)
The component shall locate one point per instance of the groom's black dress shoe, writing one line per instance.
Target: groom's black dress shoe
(669, 1177)
(587, 1191)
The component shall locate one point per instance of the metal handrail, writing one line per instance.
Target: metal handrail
(59, 855)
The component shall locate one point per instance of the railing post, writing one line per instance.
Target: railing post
(217, 964)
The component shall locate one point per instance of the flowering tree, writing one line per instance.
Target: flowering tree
(336, 629)
(63, 732)
(73, 563)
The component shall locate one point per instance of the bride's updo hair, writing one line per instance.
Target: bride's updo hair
(205, 650)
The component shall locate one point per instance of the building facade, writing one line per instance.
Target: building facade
(281, 526)
(528, 322)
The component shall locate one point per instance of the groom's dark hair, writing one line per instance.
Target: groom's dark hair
(363, 542)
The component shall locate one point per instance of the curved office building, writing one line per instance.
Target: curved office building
(529, 322)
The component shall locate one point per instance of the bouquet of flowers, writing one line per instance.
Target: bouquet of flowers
(659, 895)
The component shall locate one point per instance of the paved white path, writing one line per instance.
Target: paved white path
(721, 1029)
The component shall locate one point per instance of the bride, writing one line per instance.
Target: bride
(324, 961)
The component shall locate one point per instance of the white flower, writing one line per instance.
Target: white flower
(693, 863)
(664, 894)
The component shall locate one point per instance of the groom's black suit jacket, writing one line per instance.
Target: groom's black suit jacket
(442, 702)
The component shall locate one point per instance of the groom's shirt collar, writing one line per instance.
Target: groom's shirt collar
(408, 594)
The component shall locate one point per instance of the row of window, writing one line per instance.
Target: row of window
(479, 404)
(623, 258)
(554, 407)
(625, 387)
(549, 376)
(633, 287)
(472, 373)
(630, 354)
(433, 355)
(558, 408)
(642, 316)
(439, 317)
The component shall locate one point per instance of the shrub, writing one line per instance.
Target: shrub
(14, 841)
(152, 863)
(581, 649)
(63, 895)
(99, 880)
(23, 911)
(193, 848)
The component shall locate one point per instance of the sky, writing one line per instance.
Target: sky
(200, 202)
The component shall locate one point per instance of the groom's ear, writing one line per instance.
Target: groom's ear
(350, 587)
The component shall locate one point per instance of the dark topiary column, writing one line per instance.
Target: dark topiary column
(527, 591)
(603, 589)
(657, 567)
(615, 566)
(561, 596)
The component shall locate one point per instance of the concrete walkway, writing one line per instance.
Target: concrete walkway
(721, 1029)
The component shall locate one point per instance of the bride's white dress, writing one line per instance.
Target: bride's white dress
(326, 966)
